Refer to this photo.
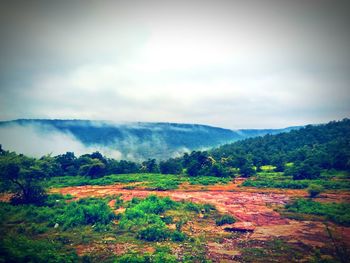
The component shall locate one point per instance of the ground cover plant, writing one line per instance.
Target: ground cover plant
(150, 181)
(336, 212)
(328, 181)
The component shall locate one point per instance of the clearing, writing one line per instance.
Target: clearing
(260, 232)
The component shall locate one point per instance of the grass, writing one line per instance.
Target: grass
(337, 212)
(149, 181)
(328, 180)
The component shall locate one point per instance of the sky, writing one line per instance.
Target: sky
(232, 64)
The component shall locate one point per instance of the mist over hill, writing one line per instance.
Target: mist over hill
(131, 141)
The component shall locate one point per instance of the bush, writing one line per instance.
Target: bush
(153, 233)
(225, 219)
(167, 220)
(192, 207)
(177, 236)
(157, 257)
(85, 212)
(208, 207)
(314, 190)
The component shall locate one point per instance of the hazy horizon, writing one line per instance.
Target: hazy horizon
(230, 64)
(164, 122)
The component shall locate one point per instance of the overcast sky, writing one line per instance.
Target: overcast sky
(233, 64)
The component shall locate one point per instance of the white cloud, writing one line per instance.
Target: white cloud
(228, 63)
(38, 140)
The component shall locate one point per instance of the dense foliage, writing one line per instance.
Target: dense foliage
(311, 149)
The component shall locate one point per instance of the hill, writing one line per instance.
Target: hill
(325, 146)
(131, 141)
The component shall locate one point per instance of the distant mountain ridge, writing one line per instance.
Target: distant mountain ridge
(134, 140)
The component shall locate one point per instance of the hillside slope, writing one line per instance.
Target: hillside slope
(325, 146)
(131, 141)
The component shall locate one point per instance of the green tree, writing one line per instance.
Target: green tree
(303, 170)
(94, 169)
(171, 166)
(150, 166)
(23, 175)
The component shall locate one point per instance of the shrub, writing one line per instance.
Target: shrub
(177, 236)
(167, 219)
(192, 207)
(208, 207)
(225, 219)
(153, 233)
(85, 212)
(314, 190)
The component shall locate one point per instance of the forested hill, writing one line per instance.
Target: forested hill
(132, 141)
(324, 146)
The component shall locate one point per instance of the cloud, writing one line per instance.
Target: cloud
(39, 140)
(234, 64)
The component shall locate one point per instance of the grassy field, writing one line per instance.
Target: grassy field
(148, 180)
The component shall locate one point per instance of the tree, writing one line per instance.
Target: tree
(150, 166)
(198, 163)
(219, 170)
(23, 175)
(121, 167)
(171, 166)
(68, 163)
(247, 170)
(94, 169)
(303, 170)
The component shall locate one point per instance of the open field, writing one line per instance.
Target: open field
(263, 228)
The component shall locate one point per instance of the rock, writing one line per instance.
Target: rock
(240, 227)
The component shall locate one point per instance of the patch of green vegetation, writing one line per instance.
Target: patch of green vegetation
(268, 168)
(151, 181)
(19, 248)
(225, 219)
(161, 255)
(336, 212)
(314, 190)
(146, 218)
(209, 180)
(278, 180)
(45, 233)
(276, 249)
(162, 185)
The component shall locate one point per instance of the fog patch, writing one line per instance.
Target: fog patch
(39, 140)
